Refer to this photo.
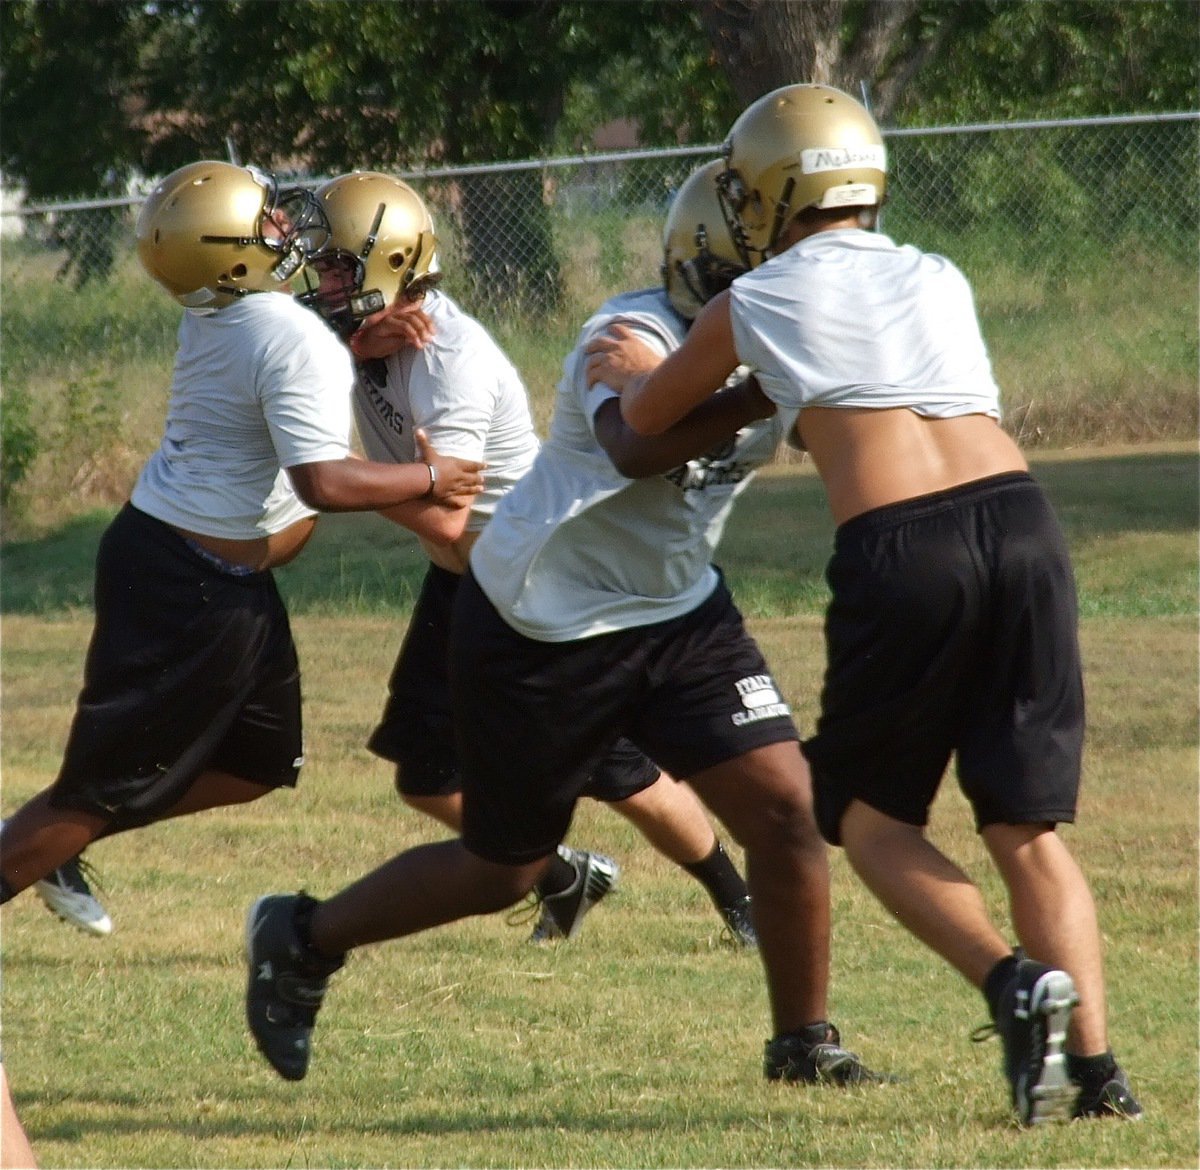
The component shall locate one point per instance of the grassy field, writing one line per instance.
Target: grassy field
(1092, 344)
(639, 1043)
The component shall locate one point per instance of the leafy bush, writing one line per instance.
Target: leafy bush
(18, 442)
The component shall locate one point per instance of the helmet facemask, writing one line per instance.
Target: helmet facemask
(292, 224)
(700, 257)
(381, 244)
(334, 289)
(739, 206)
(705, 274)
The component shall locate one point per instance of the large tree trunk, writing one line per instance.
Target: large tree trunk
(764, 44)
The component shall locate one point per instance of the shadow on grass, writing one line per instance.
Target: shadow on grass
(52, 574)
(774, 550)
(548, 1125)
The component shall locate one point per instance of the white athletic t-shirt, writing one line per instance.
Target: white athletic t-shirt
(577, 549)
(465, 394)
(848, 318)
(258, 386)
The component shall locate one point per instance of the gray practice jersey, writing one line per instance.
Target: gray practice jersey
(576, 548)
(462, 391)
(259, 386)
(847, 318)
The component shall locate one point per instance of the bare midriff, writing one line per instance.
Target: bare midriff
(263, 552)
(451, 557)
(871, 458)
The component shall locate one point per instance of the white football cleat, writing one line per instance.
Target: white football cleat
(66, 892)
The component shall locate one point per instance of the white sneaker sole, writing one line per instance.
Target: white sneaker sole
(1052, 1095)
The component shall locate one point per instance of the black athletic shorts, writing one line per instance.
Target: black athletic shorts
(416, 730)
(952, 630)
(190, 667)
(533, 719)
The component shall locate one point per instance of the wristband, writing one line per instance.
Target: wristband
(432, 480)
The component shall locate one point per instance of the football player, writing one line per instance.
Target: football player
(591, 611)
(952, 626)
(437, 370)
(191, 692)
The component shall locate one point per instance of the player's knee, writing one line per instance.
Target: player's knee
(784, 820)
(505, 885)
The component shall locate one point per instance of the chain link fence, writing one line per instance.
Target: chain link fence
(1080, 238)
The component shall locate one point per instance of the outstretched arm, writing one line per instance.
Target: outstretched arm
(358, 485)
(652, 399)
(714, 420)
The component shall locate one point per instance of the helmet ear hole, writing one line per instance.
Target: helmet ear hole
(239, 271)
(396, 260)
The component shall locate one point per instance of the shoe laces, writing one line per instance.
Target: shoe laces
(525, 911)
(87, 875)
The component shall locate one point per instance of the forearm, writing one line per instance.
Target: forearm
(655, 397)
(715, 419)
(639, 413)
(436, 523)
(356, 485)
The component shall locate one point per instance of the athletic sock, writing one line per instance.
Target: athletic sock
(719, 876)
(1092, 1071)
(561, 875)
(998, 978)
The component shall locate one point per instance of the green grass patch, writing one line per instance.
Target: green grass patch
(636, 1045)
(639, 1043)
(1131, 517)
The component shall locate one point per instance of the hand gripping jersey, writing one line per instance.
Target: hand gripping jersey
(847, 318)
(258, 386)
(577, 549)
(465, 394)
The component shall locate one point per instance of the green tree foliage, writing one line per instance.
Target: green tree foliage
(1058, 59)
(64, 94)
(94, 91)
(97, 89)
(334, 85)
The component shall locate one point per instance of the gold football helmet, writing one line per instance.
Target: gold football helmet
(381, 240)
(211, 232)
(797, 147)
(699, 255)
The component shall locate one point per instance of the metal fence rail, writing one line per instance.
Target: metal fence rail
(1079, 237)
(1097, 172)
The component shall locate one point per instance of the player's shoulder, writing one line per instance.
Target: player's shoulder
(276, 305)
(457, 336)
(452, 324)
(447, 313)
(280, 318)
(647, 310)
(289, 336)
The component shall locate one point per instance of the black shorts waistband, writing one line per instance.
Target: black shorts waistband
(152, 528)
(878, 519)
